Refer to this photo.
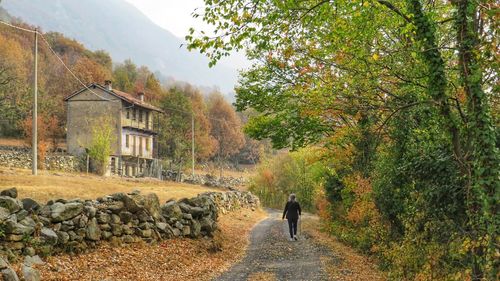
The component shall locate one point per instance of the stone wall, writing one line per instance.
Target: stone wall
(28, 228)
(20, 157)
(212, 181)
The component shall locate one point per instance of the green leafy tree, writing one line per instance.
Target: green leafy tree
(297, 172)
(125, 76)
(100, 148)
(175, 135)
(321, 66)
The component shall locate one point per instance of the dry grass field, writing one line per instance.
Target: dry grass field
(12, 142)
(52, 185)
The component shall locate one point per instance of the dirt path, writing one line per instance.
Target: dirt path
(271, 256)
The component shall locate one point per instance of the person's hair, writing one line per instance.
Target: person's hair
(291, 198)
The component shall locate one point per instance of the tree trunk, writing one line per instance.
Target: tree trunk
(484, 156)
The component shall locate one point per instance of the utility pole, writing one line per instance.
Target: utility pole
(192, 141)
(35, 113)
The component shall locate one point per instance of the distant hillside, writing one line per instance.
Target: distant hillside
(119, 28)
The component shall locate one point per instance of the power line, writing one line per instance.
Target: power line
(69, 70)
(85, 86)
(34, 166)
(57, 56)
(18, 27)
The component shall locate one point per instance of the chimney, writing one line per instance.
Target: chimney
(108, 85)
(141, 96)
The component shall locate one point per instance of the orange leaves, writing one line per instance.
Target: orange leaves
(267, 177)
(90, 71)
(43, 126)
(461, 95)
(177, 259)
(324, 207)
(226, 125)
(363, 209)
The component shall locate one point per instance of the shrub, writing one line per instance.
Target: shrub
(297, 172)
(103, 136)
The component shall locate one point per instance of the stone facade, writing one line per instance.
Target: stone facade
(20, 157)
(76, 226)
(83, 111)
(130, 118)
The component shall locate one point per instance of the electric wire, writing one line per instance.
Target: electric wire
(57, 56)
(18, 27)
(85, 86)
(71, 72)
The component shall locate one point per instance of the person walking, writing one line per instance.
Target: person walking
(292, 212)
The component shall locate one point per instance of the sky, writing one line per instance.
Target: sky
(175, 16)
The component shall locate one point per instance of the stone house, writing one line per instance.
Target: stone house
(133, 122)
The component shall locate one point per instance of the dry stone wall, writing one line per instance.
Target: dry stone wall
(20, 157)
(29, 228)
(213, 181)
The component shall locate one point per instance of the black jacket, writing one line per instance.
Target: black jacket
(292, 210)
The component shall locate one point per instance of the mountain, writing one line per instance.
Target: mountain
(121, 29)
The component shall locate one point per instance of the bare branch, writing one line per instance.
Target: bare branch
(394, 9)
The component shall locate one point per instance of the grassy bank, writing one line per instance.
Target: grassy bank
(52, 185)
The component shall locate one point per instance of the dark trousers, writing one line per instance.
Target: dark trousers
(292, 226)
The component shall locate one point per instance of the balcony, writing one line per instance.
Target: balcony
(137, 146)
(145, 127)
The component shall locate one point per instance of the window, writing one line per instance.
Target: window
(140, 115)
(128, 113)
(148, 144)
(134, 114)
(127, 140)
(147, 120)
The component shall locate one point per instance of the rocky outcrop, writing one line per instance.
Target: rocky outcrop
(76, 226)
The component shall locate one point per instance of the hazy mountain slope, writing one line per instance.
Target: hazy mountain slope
(122, 30)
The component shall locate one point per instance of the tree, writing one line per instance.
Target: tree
(175, 135)
(125, 76)
(253, 150)
(322, 66)
(153, 87)
(226, 127)
(103, 135)
(13, 90)
(205, 143)
(104, 59)
(90, 71)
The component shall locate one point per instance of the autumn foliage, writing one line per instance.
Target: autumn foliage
(404, 96)
(217, 131)
(43, 132)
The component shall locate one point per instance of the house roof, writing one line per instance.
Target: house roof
(119, 94)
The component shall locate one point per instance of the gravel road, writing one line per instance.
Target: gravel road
(273, 256)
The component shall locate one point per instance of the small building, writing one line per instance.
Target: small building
(134, 124)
